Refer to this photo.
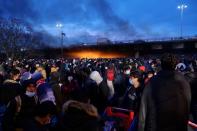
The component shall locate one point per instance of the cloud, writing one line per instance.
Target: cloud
(18, 8)
(85, 20)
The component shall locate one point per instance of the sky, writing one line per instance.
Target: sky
(85, 21)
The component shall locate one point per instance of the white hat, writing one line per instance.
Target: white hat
(96, 77)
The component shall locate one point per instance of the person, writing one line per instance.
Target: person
(121, 82)
(110, 75)
(10, 85)
(79, 114)
(149, 75)
(165, 100)
(57, 89)
(97, 90)
(20, 108)
(132, 96)
(42, 117)
(192, 79)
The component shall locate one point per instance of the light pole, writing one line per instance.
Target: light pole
(181, 8)
(59, 26)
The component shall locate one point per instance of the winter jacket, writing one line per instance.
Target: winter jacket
(9, 90)
(165, 103)
(97, 93)
(33, 125)
(132, 99)
(192, 79)
(121, 82)
(18, 111)
(80, 116)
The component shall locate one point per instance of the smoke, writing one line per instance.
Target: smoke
(83, 20)
(114, 23)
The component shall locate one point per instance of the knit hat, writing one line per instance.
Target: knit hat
(96, 77)
(25, 76)
(36, 76)
(26, 83)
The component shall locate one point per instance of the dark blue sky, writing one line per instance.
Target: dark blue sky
(87, 20)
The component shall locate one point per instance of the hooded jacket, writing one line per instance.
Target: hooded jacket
(192, 79)
(165, 103)
(9, 90)
(80, 116)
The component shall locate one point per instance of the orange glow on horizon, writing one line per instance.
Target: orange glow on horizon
(94, 54)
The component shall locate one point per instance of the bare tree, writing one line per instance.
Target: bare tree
(16, 37)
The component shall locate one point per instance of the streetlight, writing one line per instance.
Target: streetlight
(181, 8)
(61, 36)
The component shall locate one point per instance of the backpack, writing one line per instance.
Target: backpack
(19, 103)
(16, 117)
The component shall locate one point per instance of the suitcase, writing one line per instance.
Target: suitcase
(118, 119)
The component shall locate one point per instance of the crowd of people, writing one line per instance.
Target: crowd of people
(72, 94)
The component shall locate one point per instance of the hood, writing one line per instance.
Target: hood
(87, 108)
(10, 81)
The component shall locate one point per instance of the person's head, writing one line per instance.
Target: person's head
(168, 62)
(150, 74)
(30, 88)
(44, 111)
(15, 74)
(80, 95)
(136, 78)
(127, 70)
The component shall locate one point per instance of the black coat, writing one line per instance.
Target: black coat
(97, 93)
(80, 117)
(12, 118)
(132, 99)
(9, 90)
(165, 103)
(33, 125)
(192, 79)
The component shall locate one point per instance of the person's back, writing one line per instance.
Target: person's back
(165, 102)
(79, 114)
(20, 108)
(10, 87)
(192, 79)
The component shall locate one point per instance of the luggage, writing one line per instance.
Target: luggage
(117, 119)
